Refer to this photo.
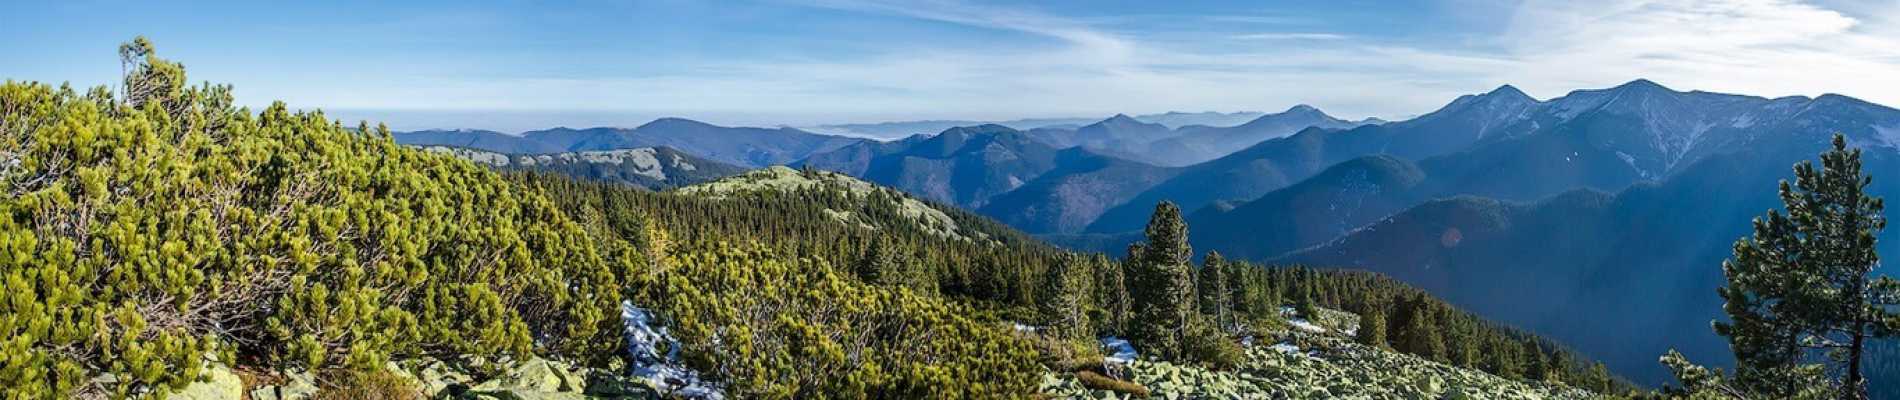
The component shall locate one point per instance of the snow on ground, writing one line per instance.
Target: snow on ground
(1305, 325)
(1120, 351)
(1287, 348)
(1300, 321)
(663, 371)
(1891, 134)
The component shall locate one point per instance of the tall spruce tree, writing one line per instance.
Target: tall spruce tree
(1372, 328)
(1065, 292)
(1161, 284)
(1111, 297)
(1215, 299)
(1803, 283)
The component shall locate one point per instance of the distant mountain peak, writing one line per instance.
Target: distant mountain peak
(1643, 84)
(675, 122)
(1302, 108)
(984, 129)
(1507, 90)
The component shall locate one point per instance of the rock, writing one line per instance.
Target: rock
(435, 377)
(525, 394)
(604, 385)
(535, 375)
(218, 382)
(296, 386)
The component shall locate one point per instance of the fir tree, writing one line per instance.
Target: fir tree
(1065, 290)
(1215, 300)
(1111, 295)
(1372, 328)
(1802, 284)
(1419, 336)
(1161, 284)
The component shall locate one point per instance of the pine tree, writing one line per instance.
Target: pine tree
(1372, 328)
(1111, 295)
(879, 266)
(1065, 291)
(1535, 366)
(1212, 289)
(1419, 336)
(1161, 284)
(1802, 283)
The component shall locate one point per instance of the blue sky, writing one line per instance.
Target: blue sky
(524, 65)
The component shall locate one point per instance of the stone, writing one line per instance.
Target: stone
(218, 382)
(296, 386)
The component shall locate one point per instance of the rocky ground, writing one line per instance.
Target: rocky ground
(535, 379)
(1301, 364)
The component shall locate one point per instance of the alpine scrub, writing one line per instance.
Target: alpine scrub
(145, 231)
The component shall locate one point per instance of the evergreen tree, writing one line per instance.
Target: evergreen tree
(1065, 290)
(1802, 284)
(1420, 335)
(1161, 284)
(1305, 306)
(879, 264)
(1111, 295)
(1215, 300)
(1372, 328)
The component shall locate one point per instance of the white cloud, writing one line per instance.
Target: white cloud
(1547, 47)
(1291, 36)
(1762, 47)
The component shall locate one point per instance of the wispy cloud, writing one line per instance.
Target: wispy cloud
(1290, 36)
(1084, 66)
(1766, 47)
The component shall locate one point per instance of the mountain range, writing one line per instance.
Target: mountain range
(901, 129)
(750, 147)
(1609, 208)
(653, 168)
(1612, 204)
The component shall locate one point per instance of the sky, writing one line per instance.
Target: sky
(515, 66)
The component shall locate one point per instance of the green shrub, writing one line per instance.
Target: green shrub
(773, 326)
(138, 234)
(1208, 346)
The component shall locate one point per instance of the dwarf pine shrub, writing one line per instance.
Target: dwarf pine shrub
(143, 229)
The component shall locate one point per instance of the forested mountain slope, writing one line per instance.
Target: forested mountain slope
(648, 167)
(161, 239)
(749, 147)
(1600, 271)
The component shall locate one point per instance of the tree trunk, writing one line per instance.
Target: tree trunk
(1854, 387)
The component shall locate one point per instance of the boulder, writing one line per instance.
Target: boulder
(218, 382)
(296, 386)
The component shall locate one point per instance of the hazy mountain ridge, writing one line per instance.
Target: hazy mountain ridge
(752, 147)
(901, 129)
(653, 168)
(1546, 266)
(1276, 163)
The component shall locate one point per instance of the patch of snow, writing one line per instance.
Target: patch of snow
(664, 371)
(1287, 348)
(1305, 325)
(1020, 327)
(1890, 134)
(1743, 121)
(1631, 161)
(1119, 350)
